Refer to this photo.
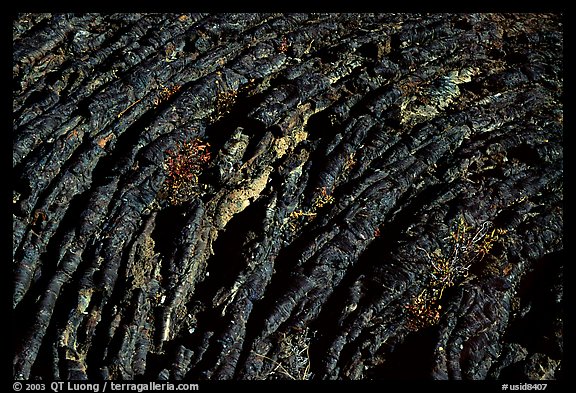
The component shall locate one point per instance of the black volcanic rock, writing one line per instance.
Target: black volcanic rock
(287, 196)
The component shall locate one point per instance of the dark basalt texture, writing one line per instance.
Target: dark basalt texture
(287, 196)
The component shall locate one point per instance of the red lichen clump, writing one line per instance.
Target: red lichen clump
(183, 166)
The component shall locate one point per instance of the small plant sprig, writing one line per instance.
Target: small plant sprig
(225, 101)
(166, 93)
(183, 166)
(424, 310)
(293, 358)
(468, 246)
(284, 45)
(320, 200)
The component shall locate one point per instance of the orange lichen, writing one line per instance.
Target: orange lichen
(104, 140)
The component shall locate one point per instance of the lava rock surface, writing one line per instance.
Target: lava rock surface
(287, 196)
